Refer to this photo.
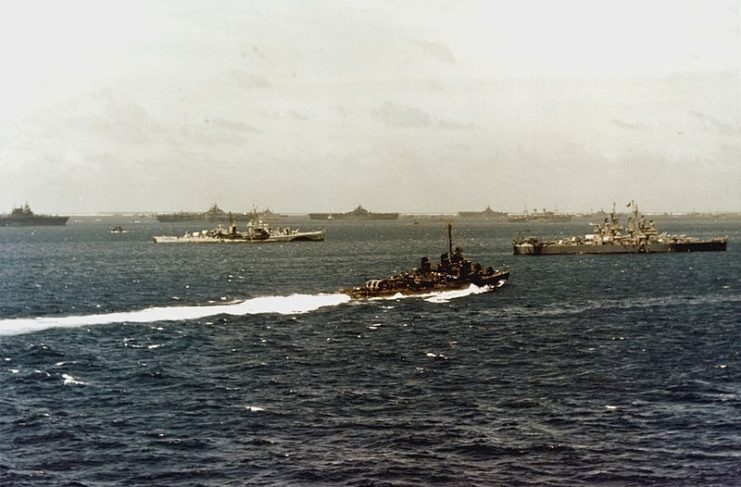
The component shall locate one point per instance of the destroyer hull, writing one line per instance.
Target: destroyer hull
(650, 248)
(295, 237)
(362, 293)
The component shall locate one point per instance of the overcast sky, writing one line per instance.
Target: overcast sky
(413, 106)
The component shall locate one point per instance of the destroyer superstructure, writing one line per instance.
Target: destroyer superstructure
(454, 272)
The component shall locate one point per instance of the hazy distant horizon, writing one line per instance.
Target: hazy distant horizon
(619, 209)
(416, 107)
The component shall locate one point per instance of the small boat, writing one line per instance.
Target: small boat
(119, 229)
(454, 272)
(257, 231)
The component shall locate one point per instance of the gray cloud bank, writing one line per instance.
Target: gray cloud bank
(321, 109)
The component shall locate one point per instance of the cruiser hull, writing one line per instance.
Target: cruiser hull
(652, 248)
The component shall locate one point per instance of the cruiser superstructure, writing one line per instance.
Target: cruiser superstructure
(610, 237)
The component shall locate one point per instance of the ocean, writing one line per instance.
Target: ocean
(125, 362)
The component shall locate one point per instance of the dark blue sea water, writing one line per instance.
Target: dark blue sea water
(123, 362)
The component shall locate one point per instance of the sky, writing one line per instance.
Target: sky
(416, 106)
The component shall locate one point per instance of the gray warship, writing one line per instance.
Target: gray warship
(216, 215)
(486, 213)
(545, 216)
(257, 231)
(454, 272)
(640, 237)
(24, 217)
(358, 213)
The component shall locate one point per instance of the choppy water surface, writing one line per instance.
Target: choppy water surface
(123, 362)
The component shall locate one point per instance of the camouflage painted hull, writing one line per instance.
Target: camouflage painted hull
(421, 288)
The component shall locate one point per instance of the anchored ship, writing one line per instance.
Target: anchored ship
(257, 231)
(216, 215)
(24, 217)
(486, 213)
(544, 216)
(641, 236)
(452, 273)
(358, 213)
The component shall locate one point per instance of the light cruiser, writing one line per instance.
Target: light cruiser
(257, 232)
(608, 238)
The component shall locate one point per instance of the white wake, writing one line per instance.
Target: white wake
(285, 305)
(440, 296)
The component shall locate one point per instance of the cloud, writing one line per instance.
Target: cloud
(251, 81)
(438, 50)
(715, 125)
(628, 125)
(400, 116)
(218, 131)
(298, 116)
(230, 126)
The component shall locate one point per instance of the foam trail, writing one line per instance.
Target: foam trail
(439, 296)
(285, 305)
(446, 296)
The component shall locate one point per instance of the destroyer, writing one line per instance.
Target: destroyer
(257, 231)
(611, 238)
(24, 217)
(452, 273)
